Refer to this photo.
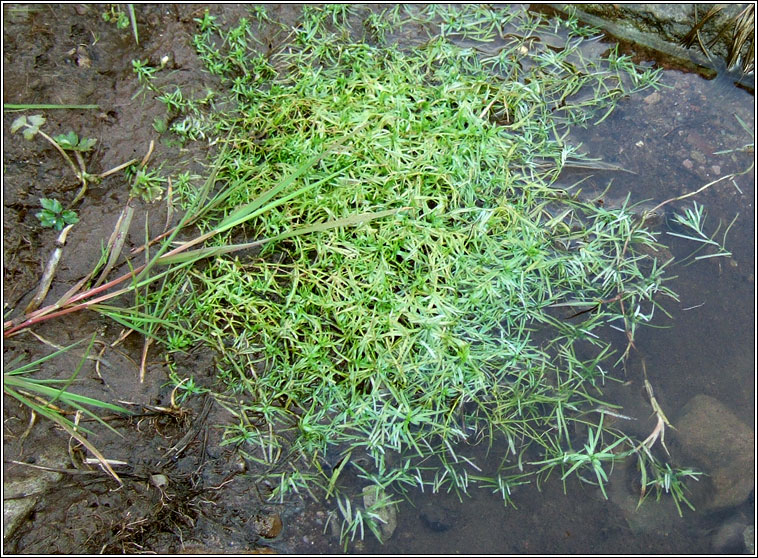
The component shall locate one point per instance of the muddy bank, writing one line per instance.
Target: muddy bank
(181, 488)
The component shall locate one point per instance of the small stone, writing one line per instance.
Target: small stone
(159, 481)
(698, 156)
(387, 514)
(652, 98)
(711, 436)
(268, 526)
(687, 164)
(240, 465)
(716, 169)
(83, 59)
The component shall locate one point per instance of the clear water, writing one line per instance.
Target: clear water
(707, 346)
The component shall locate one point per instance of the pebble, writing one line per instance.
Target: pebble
(652, 98)
(268, 526)
(713, 439)
(699, 157)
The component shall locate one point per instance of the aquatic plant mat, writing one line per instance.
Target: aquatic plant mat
(382, 263)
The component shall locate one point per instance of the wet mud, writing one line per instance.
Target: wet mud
(182, 490)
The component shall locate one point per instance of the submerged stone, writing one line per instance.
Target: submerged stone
(711, 436)
(387, 514)
(729, 537)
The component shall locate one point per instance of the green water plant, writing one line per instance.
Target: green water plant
(390, 273)
(665, 480)
(690, 225)
(408, 337)
(593, 457)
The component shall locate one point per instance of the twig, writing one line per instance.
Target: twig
(662, 422)
(193, 431)
(150, 149)
(47, 276)
(116, 169)
(117, 239)
(143, 363)
(53, 470)
(169, 206)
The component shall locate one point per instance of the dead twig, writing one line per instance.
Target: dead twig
(662, 422)
(50, 269)
(194, 430)
(117, 239)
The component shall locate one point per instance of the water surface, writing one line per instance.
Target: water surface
(669, 140)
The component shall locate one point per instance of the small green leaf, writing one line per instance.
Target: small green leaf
(31, 125)
(53, 215)
(67, 141)
(36, 120)
(72, 142)
(70, 217)
(85, 144)
(160, 125)
(46, 218)
(52, 205)
(18, 123)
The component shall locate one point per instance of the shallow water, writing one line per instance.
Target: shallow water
(707, 345)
